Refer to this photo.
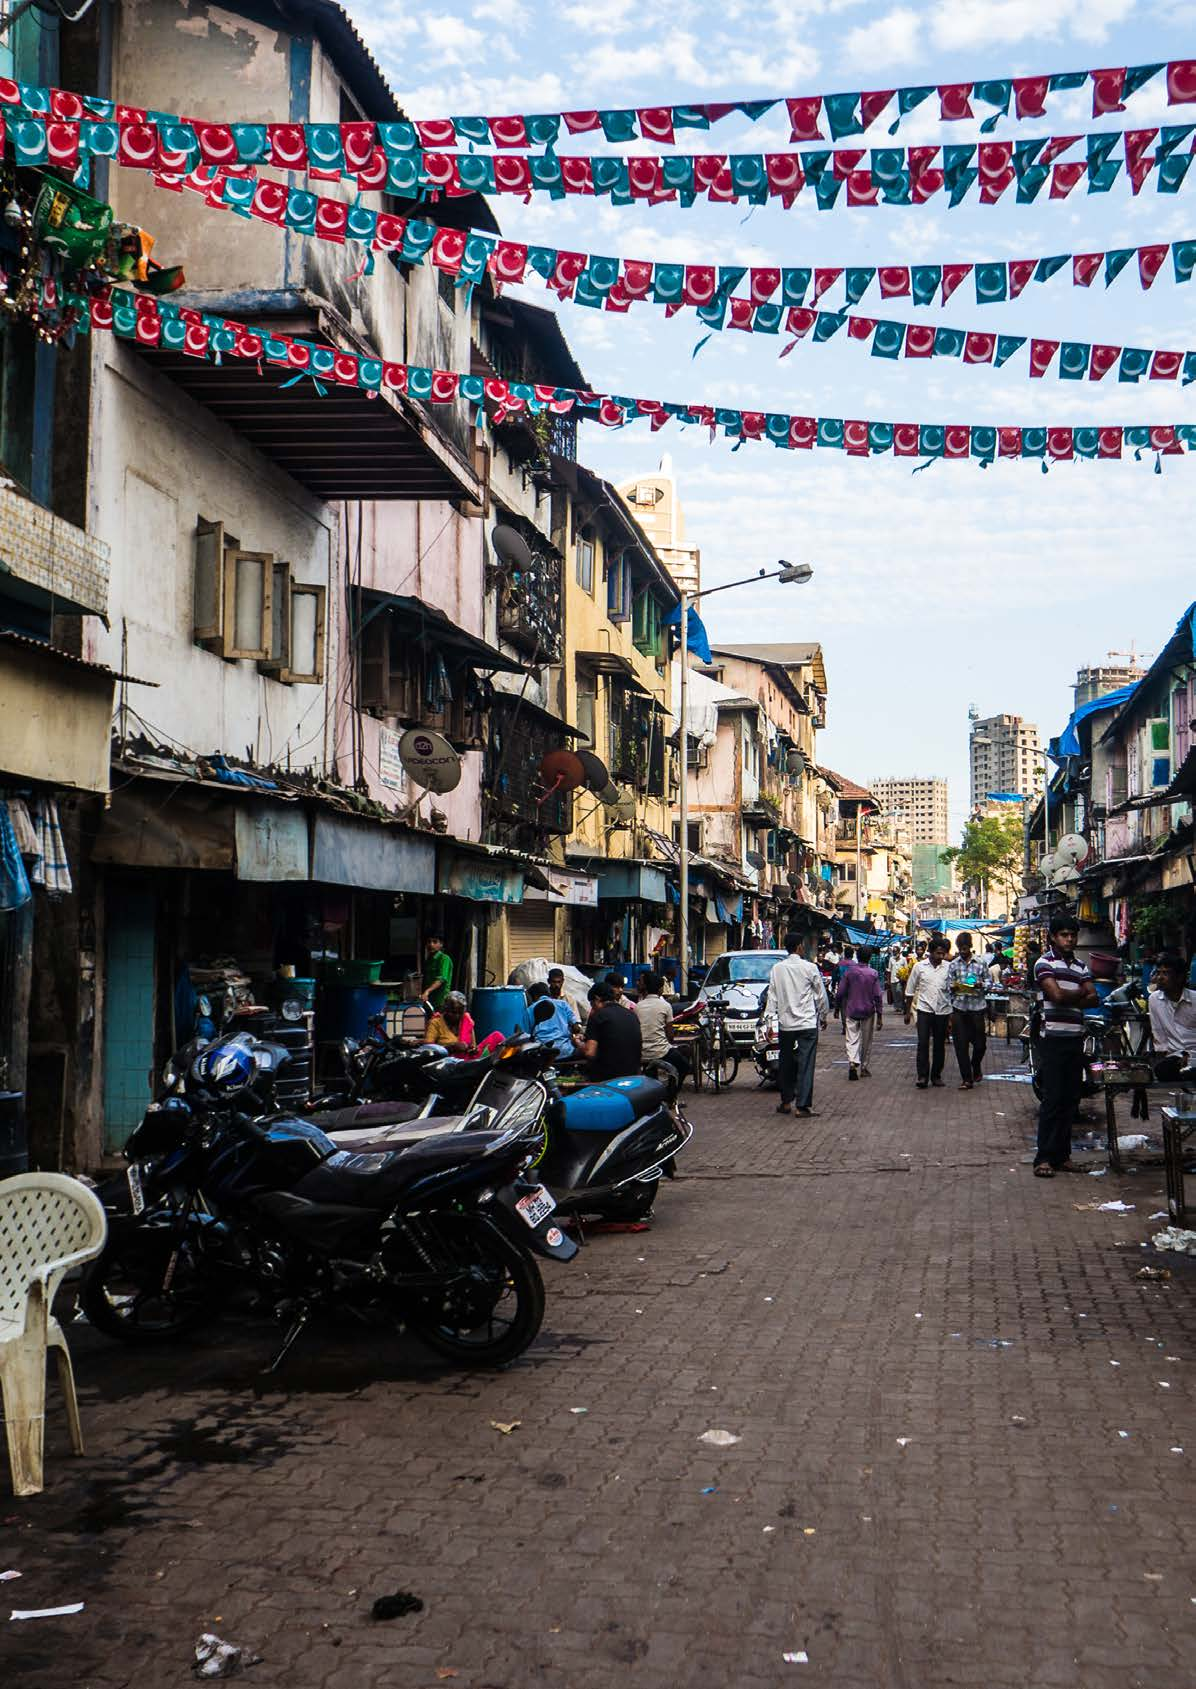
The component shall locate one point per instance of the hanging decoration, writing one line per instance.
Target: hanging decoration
(200, 334)
(856, 175)
(615, 284)
(843, 114)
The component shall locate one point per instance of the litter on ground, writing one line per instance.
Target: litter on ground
(797, 1657)
(719, 1439)
(45, 1612)
(506, 1426)
(1176, 1238)
(216, 1658)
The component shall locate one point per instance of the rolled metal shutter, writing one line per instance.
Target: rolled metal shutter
(531, 932)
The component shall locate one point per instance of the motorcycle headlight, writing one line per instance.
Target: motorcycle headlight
(292, 1009)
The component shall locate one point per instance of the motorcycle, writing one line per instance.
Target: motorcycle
(435, 1237)
(766, 1049)
(1093, 1080)
(605, 1146)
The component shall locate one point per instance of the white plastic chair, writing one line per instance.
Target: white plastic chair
(48, 1224)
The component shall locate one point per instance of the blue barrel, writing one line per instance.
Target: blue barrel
(497, 1008)
(347, 1010)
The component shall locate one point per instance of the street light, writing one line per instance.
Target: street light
(790, 573)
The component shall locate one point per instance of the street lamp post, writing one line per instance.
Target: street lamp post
(797, 573)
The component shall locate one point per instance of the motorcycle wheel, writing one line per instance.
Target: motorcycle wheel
(631, 1204)
(122, 1297)
(489, 1317)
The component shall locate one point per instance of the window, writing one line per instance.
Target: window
(645, 495)
(446, 286)
(694, 832)
(587, 704)
(647, 629)
(400, 677)
(585, 562)
(618, 587)
(246, 605)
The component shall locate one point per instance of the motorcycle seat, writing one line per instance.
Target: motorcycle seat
(393, 1135)
(613, 1103)
(377, 1178)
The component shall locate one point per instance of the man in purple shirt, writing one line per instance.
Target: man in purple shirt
(860, 1001)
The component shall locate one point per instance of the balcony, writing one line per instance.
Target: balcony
(518, 812)
(529, 608)
(46, 560)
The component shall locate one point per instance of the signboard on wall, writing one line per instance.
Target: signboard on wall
(390, 767)
(480, 880)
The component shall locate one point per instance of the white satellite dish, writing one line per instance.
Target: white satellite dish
(1047, 865)
(1072, 849)
(1065, 875)
(430, 760)
(625, 807)
(512, 548)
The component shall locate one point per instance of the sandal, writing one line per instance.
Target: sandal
(966, 1085)
(1044, 1171)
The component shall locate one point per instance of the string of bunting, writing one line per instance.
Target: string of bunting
(881, 175)
(201, 334)
(591, 280)
(845, 114)
(615, 284)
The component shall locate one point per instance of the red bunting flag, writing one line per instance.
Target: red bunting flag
(894, 281)
(954, 101)
(1029, 100)
(1108, 87)
(1085, 266)
(1041, 353)
(953, 274)
(1102, 361)
(1150, 262)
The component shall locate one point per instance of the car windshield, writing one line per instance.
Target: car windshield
(750, 970)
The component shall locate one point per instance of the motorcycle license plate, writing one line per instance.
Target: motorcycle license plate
(537, 1205)
(136, 1194)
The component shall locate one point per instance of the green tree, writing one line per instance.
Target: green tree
(991, 853)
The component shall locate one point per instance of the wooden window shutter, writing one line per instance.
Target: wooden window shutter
(373, 664)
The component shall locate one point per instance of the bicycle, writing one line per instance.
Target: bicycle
(717, 1056)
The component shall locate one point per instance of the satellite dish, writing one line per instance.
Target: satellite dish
(512, 548)
(1047, 865)
(1064, 874)
(597, 773)
(430, 760)
(625, 807)
(562, 771)
(1072, 849)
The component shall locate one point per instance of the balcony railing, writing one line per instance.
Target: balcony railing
(529, 612)
(518, 812)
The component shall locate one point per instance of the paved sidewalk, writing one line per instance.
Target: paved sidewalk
(961, 1412)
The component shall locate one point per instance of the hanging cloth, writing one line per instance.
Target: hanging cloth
(438, 691)
(52, 871)
(22, 826)
(14, 881)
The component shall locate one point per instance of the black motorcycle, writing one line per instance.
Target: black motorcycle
(433, 1237)
(604, 1146)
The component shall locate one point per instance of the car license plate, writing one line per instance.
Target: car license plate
(136, 1194)
(537, 1205)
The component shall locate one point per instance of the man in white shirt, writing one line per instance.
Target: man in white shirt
(1172, 1017)
(797, 996)
(927, 995)
(656, 1025)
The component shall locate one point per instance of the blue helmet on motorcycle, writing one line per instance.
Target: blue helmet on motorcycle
(226, 1067)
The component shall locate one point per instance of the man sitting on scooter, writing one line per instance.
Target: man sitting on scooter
(656, 1025)
(611, 1043)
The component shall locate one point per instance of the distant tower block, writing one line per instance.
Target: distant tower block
(653, 501)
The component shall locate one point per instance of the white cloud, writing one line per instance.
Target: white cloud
(976, 23)
(896, 38)
(452, 39)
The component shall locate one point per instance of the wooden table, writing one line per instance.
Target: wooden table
(1177, 1128)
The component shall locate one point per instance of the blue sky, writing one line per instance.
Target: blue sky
(934, 591)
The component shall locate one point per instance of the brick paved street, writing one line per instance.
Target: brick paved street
(959, 1462)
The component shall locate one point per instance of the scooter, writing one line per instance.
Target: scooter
(766, 1049)
(605, 1146)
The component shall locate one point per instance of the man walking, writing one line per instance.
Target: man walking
(1067, 990)
(797, 996)
(926, 996)
(860, 1001)
(967, 980)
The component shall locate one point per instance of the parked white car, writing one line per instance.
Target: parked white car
(740, 978)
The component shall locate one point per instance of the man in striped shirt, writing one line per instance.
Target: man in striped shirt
(1067, 990)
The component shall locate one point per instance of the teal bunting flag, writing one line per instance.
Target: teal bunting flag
(888, 340)
(857, 283)
(932, 439)
(814, 165)
(1034, 442)
(909, 99)
(729, 277)
(1073, 360)
(1030, 183)
(618, 125)
(252, 139)
(1134, 363)
(962, 186)
(1101, 177)
(880, 437)
(948, 343)
(955, 162)
(474, 130)
(843, 115)
(984, 443)
(668, 283)
(1172, 172)
(992, 283)
(1173, 136)
(828, 324)
(1183, 257)
(1007, 345)
(1086, 441)
(827, 190)
(1137, 76)
(1064, 80)
(1048, 267)
(1100, 146)
(476, 172)
(677, 172)
(1189, 373)
(924, 281)
(546, 175)
(996, 94)
(543, 260)
(794, 285)
(768, 319)
(1115, 262)
(830, 431)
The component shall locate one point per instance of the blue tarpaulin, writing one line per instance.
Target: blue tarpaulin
(696, 637)
(1068, 742)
